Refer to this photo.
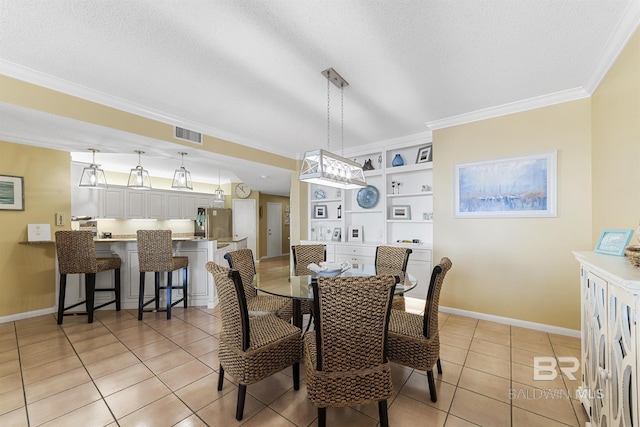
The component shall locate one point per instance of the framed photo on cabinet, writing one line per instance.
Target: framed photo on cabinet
(613, 242)
(355, 233)
(320, 211)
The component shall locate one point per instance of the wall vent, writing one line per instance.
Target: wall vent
(187, 135)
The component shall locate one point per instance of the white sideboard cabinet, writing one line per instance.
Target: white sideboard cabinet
(610, 292)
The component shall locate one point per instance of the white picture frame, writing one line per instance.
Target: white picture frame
(355, 233)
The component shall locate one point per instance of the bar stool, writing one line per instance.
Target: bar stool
(77, 255)
(155, 254)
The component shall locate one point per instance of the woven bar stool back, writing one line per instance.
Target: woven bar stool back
(155, 254)
(393, 260)
(77, 255)
(414, 340)
(345, 357)
(257, 305)
(251, 348)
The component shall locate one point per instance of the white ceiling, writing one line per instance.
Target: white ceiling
(249, 71)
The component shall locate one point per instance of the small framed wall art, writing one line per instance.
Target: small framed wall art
(337, 234)
(400, 212)
(320, 211)
(11, 193)
(424, 154)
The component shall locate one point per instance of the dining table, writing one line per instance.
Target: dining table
(298, 288)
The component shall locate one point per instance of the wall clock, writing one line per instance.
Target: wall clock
(242, 190)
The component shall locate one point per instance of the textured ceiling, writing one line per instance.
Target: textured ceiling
(249, 71)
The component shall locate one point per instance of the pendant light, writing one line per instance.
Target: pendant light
(182, 177)
(139, 177)
(92, 175)
(218, 195)
(324, 167)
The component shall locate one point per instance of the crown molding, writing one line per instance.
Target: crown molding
(38, 78)
(624, 31)
(510, 108)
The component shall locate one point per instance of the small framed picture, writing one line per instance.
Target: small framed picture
(355, 233)
(424, 154)
(11, 193)
(320, 211)
(401, 212)
(613, 242)
(337, 234)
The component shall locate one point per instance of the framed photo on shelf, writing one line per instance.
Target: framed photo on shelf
(424, 154)
(355, 233)
(401, 212)
(320, 211)
(337, 234)
(11, 193)
(613, 242)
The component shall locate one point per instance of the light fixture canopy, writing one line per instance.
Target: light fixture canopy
(182, 177)
(92, 175)
(324, 167)
(139, 177)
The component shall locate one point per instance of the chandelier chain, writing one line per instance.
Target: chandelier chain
(328, 113)
(342, 118)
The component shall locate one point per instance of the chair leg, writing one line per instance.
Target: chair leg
(157, 289)
(61, 297)
(141, 296)
(242, 393)
(220, 378)
(296, 376)
(322, 417)
(117, 286)
(439, 366)
(184, 284)
(168, 287)
(90, 289)
(383, 414)
(432, 386)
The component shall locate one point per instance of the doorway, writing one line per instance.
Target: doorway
(274, 229)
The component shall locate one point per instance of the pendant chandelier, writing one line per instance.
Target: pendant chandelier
(182, 177)
(139, 176)
(324, 167)
(218, 194)
(92, 175)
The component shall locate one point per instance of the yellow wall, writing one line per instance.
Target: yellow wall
(519, 268)
(616, 144)
(28, 271)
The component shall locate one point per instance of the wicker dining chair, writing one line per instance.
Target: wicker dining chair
(345, 356)
(76, 252)
(414, 340)
(303, 255)
(251, 348)
(242, 260)
(155, 254)
(393, 260)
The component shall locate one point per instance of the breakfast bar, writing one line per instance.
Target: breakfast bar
(198, 250)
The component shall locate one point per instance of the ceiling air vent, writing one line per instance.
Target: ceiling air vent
(188, 135)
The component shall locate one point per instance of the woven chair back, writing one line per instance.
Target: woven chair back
(242, 261)
(392, 260)
(303, 255)
(233, 306)
(155, 251)
(430, 326)
(76, 252)
(352, 321)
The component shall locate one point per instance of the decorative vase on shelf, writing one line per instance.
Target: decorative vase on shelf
(397, 161)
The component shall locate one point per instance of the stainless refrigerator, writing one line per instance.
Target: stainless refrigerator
(214, 224)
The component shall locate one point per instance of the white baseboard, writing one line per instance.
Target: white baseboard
(415, 302)
(27, 315)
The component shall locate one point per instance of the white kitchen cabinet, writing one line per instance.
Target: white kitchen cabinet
(174, 205)
(112, 203)
(141, 204)
(610, 293)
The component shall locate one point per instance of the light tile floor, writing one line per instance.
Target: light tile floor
(119, 371)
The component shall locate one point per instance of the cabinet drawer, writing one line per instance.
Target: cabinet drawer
(356, 250)
(420, 255)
